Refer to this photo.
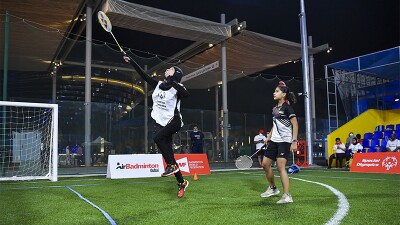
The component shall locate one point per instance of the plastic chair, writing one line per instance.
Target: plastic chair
(377, 134)
(397, 127)
(389, 127)
(383, 145)
(375, 143)
(365, 143)
(368, 136)
(397, 132)
(371, 150)
(379, 128)
(387, 133)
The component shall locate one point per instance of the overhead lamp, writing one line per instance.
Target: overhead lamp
(329, 50)
(396, 98)
(237, 28)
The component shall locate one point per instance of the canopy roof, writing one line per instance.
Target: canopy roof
(35, 39)
(247, 52)
(46, 31)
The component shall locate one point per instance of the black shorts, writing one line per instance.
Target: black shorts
(277, 150)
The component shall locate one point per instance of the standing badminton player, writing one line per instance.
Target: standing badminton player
(167, 97)
(282, 139)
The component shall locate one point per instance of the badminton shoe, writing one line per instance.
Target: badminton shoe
(182, 188)
(286, 198)
(270, 192)
(170, 169)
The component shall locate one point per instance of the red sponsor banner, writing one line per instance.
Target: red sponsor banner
(385, 162)
(190, 164)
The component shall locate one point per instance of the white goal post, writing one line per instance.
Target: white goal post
(28, 141)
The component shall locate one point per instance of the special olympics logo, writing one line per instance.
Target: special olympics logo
(389, 162)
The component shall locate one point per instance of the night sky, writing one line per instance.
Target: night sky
(351, 28)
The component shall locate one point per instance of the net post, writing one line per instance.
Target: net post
(54, 161)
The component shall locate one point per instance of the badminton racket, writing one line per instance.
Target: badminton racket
(245, 161)
(107, 26)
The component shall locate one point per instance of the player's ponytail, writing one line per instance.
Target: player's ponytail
(290, 96)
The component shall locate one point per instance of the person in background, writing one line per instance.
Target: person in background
(79, 155)
(68, 156)
(393, 145)
(354, 148)
(349, 140)
(197, 140)
(359, 140)
(259, 142)
(339, 154)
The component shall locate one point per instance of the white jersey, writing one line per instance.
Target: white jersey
(339, 150)
(355, 148)
(257, 138)
(282, 127)
(393, 144)
(164, 105)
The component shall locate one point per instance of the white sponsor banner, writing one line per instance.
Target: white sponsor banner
(133, 166)
(200, 71)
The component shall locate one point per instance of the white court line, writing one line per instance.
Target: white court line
(108, 217)
(343, 204)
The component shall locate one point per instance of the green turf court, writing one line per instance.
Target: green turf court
(230, 197)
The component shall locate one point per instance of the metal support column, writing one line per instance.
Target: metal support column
(5, 98)
(146, 116)
(88, 84)
(216, 120)
(312, 93)
(306, 79)
(224, 95)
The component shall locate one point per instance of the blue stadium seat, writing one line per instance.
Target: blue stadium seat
(383, 145)
(371, 150)
(379, 128)
(365, 143)
(387, 133)
(364, 150)
(375, 143)
(398, 126)
(397, 132)
(368, 136)
(389, 127)
(377, 135)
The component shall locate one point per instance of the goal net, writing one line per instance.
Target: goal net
(28, 141)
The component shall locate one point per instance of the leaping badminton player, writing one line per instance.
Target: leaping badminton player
(167, 97)
(282, 139)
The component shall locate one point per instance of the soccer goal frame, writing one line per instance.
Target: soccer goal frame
(48, 167)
